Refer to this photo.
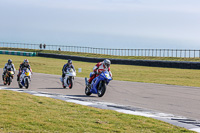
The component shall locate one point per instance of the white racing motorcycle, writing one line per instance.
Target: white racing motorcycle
(68, 79)
(25, 78)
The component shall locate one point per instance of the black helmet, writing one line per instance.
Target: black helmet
(107, 63)
(26, 62)
(9, 61)
(69, 61)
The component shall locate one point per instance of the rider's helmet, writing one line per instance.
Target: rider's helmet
(26, 62)
(69, 62)
(9, 61)
(106, 63)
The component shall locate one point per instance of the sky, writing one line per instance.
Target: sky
(102, 23)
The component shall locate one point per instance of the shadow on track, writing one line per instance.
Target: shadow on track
(53, 88)
(80, 96)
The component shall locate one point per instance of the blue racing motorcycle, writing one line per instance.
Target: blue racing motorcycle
(98, 84)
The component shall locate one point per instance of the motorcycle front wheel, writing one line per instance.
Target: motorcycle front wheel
(101, 89)
(70, 83)
(26, 83)
(9, 80)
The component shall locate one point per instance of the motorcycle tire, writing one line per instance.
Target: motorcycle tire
(101, 89)
(9, 80)
(70, 83)
(64, 86)
(87, 91)
(26, 83)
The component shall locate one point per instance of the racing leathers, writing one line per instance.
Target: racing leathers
(9, 67)
(98, 68)
(21, 67)
(65, 67)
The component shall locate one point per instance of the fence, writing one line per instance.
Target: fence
(185, 53)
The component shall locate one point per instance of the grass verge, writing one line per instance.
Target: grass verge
(21, 112)
(104, 56)
(173, 76)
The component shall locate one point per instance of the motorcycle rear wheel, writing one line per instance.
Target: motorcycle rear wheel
(63, 85)
(87, 91)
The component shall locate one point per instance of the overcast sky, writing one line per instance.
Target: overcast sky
(102, 23)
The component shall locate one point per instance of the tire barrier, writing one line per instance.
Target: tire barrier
(151, 63)
(21, 53)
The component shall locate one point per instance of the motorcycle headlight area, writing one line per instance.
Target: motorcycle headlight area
(106, 75)
(27, 73)
(11, 72)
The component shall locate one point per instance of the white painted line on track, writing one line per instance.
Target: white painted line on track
(195, 129)
(135, 113)
(79, 102)
(43, 95)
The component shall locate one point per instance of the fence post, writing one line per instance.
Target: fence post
(135, 52)
(141, 52)
(168, 52)
(189, 53)
(160, 53)
(185, 53)
(199, 53)
(113, 51)
(164, 53)
(156, 52)
(194, 53)
(180, 53)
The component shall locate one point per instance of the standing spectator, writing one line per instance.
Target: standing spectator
(59, 49)
(40, 46)
(44, 46)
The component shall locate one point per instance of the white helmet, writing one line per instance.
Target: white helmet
(106, 63)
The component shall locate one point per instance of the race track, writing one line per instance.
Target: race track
(177, 100)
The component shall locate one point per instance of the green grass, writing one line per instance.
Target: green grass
(105, 56)
(21, 112)
(184, 77)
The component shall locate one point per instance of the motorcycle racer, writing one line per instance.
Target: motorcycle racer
(7, 66)
(66, 66)
(99, 67)
(23, 65)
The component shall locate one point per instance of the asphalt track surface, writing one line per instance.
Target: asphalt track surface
(171, 99)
